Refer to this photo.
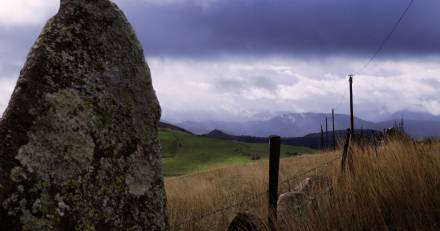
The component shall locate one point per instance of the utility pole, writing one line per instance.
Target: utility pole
(334, 133)
(351, 104)
(326, 133)
(322, 138)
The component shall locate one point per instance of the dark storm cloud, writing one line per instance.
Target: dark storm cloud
(287, 27)
(230, 59)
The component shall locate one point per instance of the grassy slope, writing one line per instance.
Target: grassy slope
(183, 153)
(395, 187)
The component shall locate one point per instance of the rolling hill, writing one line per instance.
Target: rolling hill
(184, 153)
(312, 140)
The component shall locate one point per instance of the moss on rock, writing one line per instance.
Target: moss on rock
(78, 141)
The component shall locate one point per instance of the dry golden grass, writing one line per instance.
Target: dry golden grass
(395, 187)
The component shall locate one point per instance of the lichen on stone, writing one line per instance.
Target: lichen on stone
(18, 175)
(78, 140)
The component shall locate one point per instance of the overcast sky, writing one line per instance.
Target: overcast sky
(231, 59)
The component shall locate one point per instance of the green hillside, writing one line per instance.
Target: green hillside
(183, 153)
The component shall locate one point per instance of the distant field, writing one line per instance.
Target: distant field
(183, 153)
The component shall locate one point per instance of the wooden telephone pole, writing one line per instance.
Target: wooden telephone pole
(322, 138)
(334, 133)
(326, 133)
(351, 105)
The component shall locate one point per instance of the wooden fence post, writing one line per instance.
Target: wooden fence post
(322, 138)
(345, 152)
(274, 165)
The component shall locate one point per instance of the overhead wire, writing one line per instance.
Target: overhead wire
(380, 47)
(388, 37)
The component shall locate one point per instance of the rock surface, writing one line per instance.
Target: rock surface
(246, 222)
(78, 141)
(314, 185)
(290, 206)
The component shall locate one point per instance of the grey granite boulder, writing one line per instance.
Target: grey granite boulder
(78, 141)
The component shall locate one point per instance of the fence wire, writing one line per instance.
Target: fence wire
(217, 211)
(255, 197)
(302, 174)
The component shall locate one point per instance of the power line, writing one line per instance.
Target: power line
(302, 174)
(388, 37)
(381, 46)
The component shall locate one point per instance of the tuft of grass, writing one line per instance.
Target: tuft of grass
(393, 187)
(396, 187)
(183, 153)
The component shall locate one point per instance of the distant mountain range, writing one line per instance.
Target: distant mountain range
(311, 140)
(411, 115)
(418, 125)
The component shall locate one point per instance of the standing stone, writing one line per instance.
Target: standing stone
(78, 141)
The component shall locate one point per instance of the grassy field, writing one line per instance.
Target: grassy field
(392, 187)
(183, 153)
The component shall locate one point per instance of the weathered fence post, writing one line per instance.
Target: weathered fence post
(274, 165)
(345, 152)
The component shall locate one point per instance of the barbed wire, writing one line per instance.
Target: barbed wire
(255, 197)
(287, 180)
(212, 213)
(379, 49)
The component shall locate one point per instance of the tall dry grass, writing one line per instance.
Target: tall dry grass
(394, 187)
